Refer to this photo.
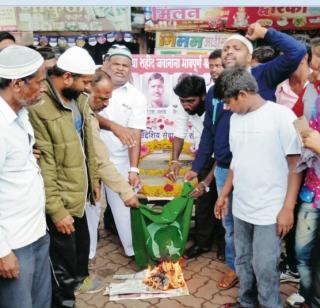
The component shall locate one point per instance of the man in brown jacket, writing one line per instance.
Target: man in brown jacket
(100, 93)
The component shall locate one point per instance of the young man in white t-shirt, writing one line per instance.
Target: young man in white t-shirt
(265, 151)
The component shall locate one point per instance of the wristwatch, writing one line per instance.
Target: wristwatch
(206, 187)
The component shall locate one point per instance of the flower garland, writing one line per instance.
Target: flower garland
(162, 172)
(163, 144)
(168, 188)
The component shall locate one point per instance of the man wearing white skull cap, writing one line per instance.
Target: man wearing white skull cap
(25, 278)
(64, 135)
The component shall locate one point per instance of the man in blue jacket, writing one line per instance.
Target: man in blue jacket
(237, 51)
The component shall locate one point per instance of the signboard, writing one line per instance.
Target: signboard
(186, 18)
(277, 17)
(188, 43)
(219, 18)
(77, 18)
(8, 21)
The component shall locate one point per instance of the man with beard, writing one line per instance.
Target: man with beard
(64, 135)
(215, 64)
(191, 91)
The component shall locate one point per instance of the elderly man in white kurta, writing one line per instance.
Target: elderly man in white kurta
(127, 112)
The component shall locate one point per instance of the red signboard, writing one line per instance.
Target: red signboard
(218, 18)
(276, 17)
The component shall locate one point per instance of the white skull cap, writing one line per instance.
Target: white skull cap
(77, 60)
(19, 61)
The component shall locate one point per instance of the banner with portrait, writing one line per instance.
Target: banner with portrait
(156, 76)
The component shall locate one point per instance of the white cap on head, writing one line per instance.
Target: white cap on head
(242, 39)
(77, 60)
(119, 50)
(19, 61)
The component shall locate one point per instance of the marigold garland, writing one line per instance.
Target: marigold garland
(163, 144)
(161, 172)
(168, 189)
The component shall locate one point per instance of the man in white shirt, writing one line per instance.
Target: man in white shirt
(127, 109)
(262, 174)
(25, 278)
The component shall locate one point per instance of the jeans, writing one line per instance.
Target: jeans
(315, 294)
(32, 289)
(257, 264)
(306, 234)
(227, 222)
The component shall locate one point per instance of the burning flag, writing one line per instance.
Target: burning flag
(162, 236)
(167, 275)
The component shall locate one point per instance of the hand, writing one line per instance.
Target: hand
(190, 175)
(97, 193)
(311, 140)
(134, 179)
(125, 135)
(36, 153)
(221, 207)
(132, 202)
(174, 170)
(198, 191)
(284, 221)
(256, 31)
(9, 266)
(65, 225)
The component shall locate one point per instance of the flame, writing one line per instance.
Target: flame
(167, 275)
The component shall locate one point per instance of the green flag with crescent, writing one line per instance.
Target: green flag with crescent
(158, 236)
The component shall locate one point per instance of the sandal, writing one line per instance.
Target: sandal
(228, 281)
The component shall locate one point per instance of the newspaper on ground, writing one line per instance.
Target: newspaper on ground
(133, 287)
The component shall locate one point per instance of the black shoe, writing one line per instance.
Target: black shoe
(195, 251)
(221, 254)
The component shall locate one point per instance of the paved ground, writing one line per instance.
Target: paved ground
(201, 275)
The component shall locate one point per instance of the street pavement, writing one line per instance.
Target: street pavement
(201, 275)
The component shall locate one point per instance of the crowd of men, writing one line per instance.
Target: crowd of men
(66, 126)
